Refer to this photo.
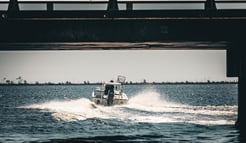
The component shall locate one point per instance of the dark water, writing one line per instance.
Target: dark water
(155, 113)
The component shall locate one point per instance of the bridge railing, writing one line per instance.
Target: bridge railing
(52, 5)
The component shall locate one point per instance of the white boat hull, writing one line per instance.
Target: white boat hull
(104, 101)
(109, 94)
(101, 99)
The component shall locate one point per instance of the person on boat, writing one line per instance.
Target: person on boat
(109, 90)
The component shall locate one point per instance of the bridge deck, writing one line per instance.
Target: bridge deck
(142, 29)
(115, 45)
(164, 14)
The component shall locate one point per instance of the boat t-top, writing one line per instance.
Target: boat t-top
(110, 93)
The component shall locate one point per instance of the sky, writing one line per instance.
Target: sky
(105, 65)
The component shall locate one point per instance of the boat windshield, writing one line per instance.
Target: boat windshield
(117, 87)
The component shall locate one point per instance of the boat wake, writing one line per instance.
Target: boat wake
(70, 110)
(147, 106)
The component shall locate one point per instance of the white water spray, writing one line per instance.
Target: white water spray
(146, 106)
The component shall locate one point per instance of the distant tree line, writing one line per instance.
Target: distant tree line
(20, 81)
(183, 82)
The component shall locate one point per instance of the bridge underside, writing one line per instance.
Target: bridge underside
(168, 45)
(95, 30)
(150, 29)
(122, 26)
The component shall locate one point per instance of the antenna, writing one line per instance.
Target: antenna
(121, 79)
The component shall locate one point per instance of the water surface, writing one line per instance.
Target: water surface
(155, 113)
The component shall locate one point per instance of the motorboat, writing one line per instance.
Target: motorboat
(110, 93)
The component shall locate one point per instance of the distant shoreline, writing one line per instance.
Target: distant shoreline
(133, 83)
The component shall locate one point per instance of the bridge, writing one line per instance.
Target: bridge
(123, 24)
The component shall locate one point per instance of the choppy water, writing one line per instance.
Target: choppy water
(155, 113)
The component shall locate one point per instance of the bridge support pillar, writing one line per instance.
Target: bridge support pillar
(113, 5)
(210, 5)
(236, 67)
(50, 6)
(241, 121)
(13, 6)
(129, 6)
